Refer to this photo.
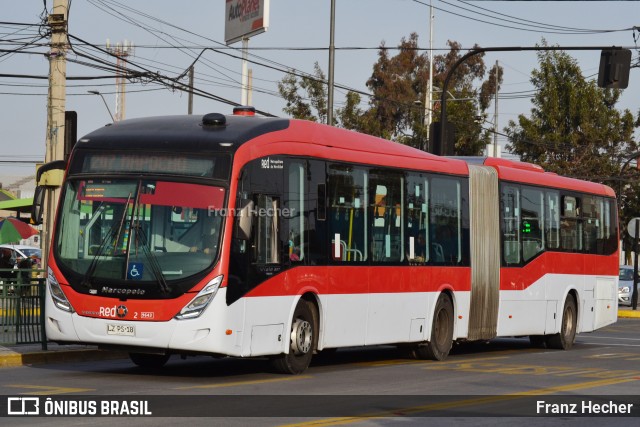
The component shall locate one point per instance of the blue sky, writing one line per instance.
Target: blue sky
(154, 25)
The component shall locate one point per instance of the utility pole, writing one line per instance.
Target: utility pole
(56, 104)
(245, 77)
(495, 118)
(332, 51)
(250, 87)
(427, 104)
(190, 106)
(121, 51)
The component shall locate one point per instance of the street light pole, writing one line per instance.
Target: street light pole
(95, 92)
(331, 64)
(446, 150)
(428, 102)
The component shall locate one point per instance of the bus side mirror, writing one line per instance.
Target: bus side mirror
(245, 219)
(37, 208)
(50, 175)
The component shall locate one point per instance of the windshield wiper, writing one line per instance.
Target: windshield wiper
(153, 260)
(141, 235)
(86, 281)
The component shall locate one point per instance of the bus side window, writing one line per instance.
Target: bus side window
(296, 246)
(386, 223)
(571, 225)
(532, 219)
(591, 223)
(416, 219)
(446, 217)
(510, 206)
(266, 242)
(552, 219)
(347, 216)
(609, 227)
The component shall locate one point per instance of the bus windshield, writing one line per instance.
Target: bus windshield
(138, 230)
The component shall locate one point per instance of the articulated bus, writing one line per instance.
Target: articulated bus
(247, 236)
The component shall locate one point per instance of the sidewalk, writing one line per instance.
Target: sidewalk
(32, 354)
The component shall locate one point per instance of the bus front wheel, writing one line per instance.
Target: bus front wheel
(441, 338)
(303, 340)
(566, 337)
(149, 361)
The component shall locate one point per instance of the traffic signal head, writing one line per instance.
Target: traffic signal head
(614, 68)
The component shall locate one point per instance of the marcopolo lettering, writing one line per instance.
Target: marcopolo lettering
(122, 291)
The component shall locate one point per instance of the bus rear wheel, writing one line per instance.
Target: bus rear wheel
(441, 338)
(303, 340)
(151, 361)
(567, 336)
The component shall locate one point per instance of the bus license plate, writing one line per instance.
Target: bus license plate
(127, 330)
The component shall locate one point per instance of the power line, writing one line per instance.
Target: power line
(568, 30)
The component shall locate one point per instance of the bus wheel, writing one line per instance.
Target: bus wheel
(145, 360)
(441, 339)
(304, 339)
(567, 336)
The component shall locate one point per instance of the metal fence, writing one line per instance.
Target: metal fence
(22, 307)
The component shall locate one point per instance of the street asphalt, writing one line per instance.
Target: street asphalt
(33, 354)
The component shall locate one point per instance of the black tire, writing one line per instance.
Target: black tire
(150, 361)
(567, 336)
(441, 340)
(303, 340)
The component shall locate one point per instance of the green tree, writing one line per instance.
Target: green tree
(351, 115)
(398, 85)
(574, 129)
(311, 107)
(399, 81)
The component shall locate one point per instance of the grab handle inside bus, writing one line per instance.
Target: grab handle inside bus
(245, 219)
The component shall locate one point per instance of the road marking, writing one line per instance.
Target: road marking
(241, 383)
(391, 362)
(47, 389)
(490, 367)
(612, 356)
(502, 354)
(609, 344)
(611, 338)
(461, 403)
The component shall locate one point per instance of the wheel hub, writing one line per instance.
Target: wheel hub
(301, 337)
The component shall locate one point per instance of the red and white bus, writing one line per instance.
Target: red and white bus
(246, 236)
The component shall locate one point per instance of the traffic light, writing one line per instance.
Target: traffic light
(70, 132)
(614, 68)
(436, 145)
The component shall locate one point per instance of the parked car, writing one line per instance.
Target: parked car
(21, 253)
(625, 285)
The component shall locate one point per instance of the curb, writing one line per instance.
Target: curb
(13, 359)
(629, 314)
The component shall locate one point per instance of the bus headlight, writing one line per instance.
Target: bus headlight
(201, 301)
(59, 298)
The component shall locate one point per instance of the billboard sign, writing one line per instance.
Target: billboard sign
(245, 18)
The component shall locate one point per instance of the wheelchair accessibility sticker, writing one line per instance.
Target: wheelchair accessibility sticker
(135, 270)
